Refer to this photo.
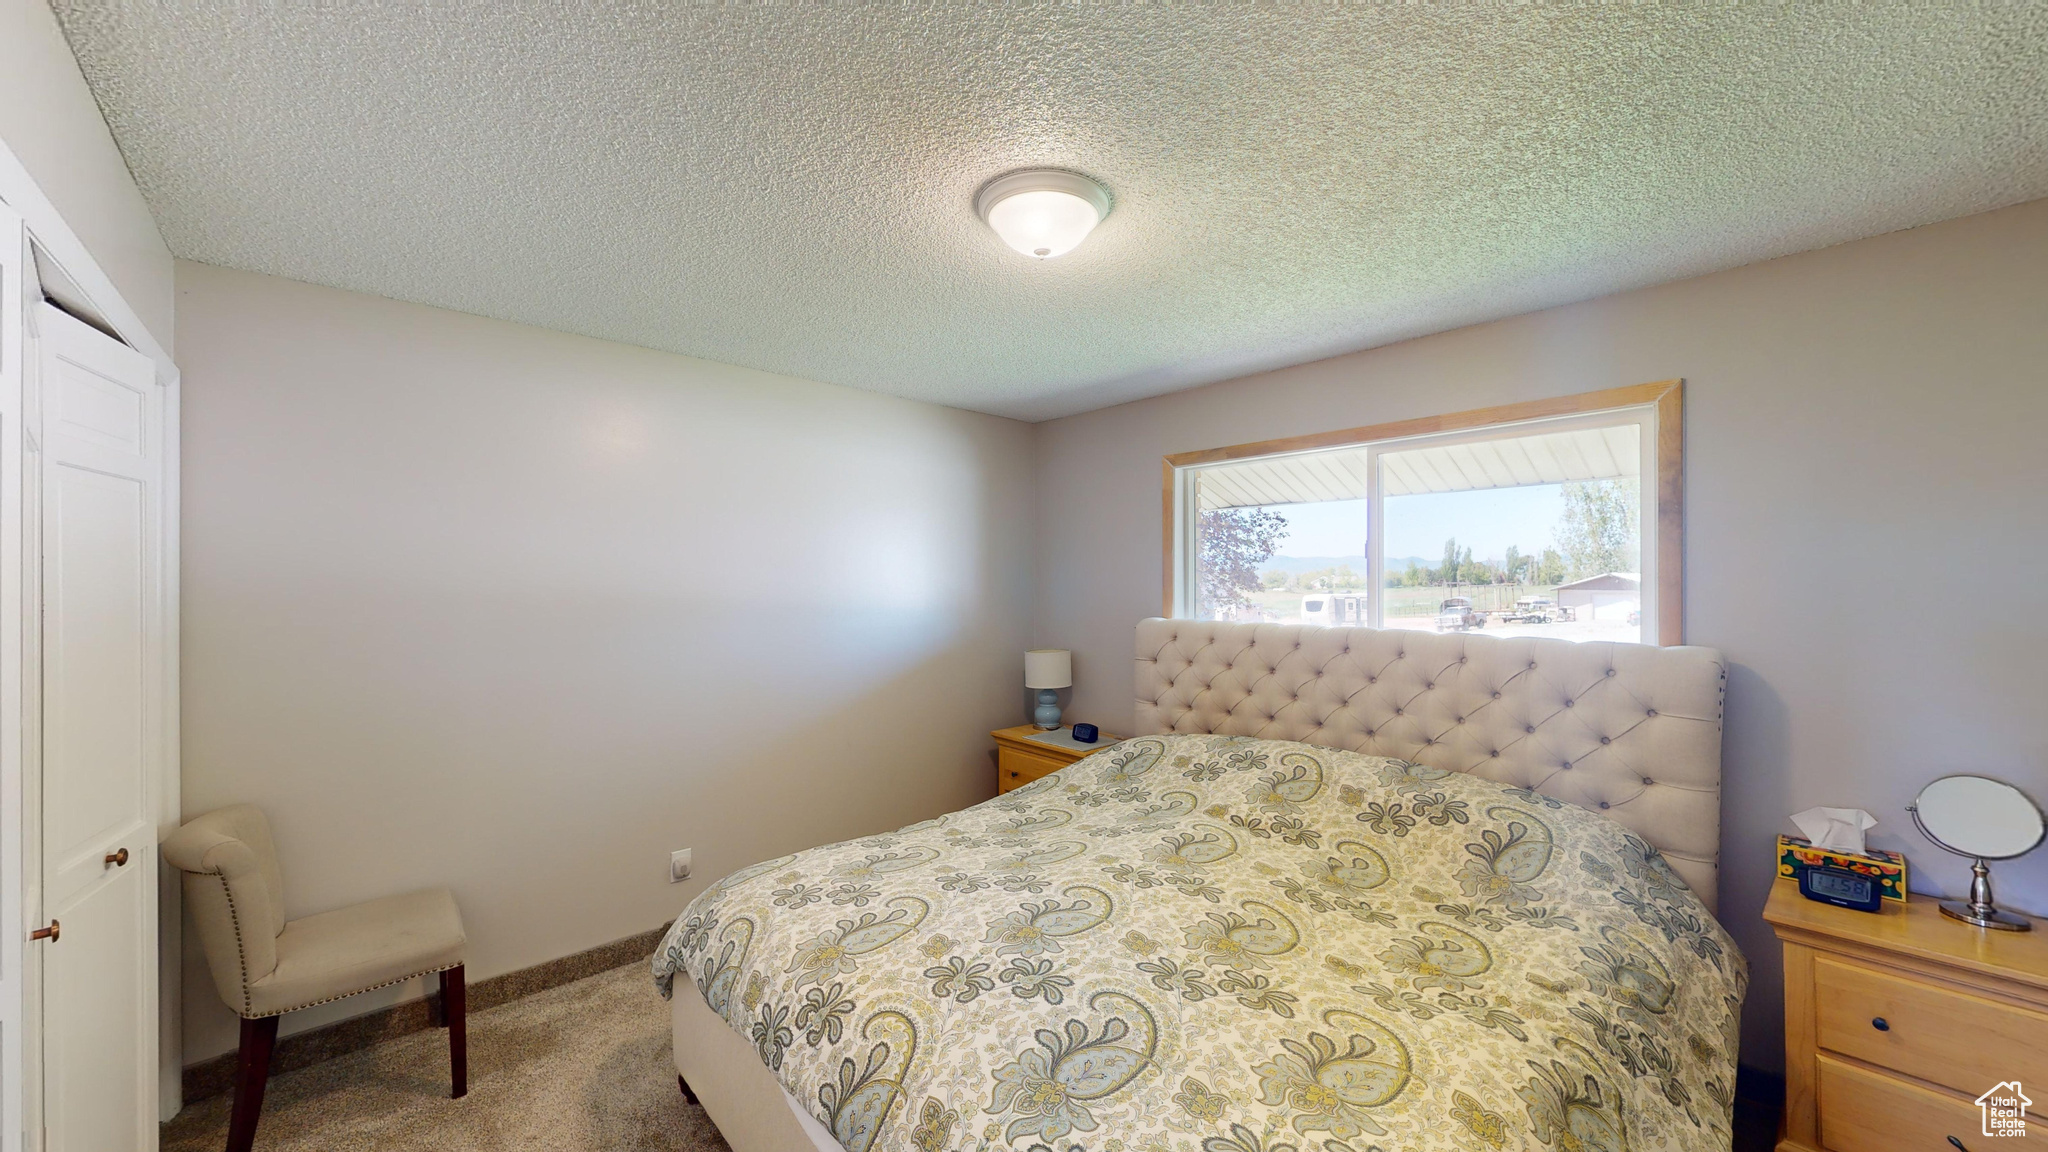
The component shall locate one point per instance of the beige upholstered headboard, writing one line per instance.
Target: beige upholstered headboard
(1627, 729)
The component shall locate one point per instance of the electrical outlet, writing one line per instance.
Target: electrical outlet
(679, 866)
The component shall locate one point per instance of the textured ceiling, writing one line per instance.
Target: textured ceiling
(790, 187)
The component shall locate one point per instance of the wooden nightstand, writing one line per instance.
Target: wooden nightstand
(1897, 1020)
(1020, 759)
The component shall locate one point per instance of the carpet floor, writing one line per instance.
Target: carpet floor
(582, 1067)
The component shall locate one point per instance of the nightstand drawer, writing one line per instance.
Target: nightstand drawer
(1865, 1111)
(1023, 756)
(1968, 1043)
(1015, 769)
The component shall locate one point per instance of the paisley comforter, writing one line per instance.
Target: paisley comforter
(1219, 944)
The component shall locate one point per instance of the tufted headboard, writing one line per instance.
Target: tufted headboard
(1630, 730)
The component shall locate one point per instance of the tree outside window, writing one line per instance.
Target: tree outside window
(1598, 531)
(1234, 542)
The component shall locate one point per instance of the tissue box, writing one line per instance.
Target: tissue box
(1887, 868)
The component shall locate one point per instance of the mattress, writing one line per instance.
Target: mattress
(1234, 944)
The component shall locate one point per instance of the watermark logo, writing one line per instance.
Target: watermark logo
(2005, 1110)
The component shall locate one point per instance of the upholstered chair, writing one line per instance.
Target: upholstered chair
(266, 966)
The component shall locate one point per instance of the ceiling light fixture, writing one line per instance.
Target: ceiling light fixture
(1042, 212)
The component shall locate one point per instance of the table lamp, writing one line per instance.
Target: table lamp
(1046, 669)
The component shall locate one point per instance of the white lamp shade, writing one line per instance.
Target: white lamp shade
(1043, 212)
(1043, 224)
(1048, 668)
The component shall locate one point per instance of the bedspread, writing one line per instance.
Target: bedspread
(1222, 944)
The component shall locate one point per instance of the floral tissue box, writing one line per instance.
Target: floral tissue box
(1887, 868)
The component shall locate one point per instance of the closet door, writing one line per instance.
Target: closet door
(102, 638)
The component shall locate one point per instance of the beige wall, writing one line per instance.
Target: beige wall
(480, 605)
(51, 123)
(1866, 504)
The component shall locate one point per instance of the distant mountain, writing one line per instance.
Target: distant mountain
(1294, 564)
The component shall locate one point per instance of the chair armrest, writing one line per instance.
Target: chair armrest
(197, 848)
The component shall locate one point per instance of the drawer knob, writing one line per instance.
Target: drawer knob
(1884, 1025)
(1958, 1144)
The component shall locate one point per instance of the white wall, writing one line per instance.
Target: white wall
(52, 124)
(481, 605)
(1866, 518)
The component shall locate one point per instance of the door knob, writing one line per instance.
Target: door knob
(118, 859)
(49, 933)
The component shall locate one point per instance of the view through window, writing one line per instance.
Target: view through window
(1534, 528)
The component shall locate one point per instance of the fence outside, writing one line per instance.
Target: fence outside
(1425, 601)
(1404, 603)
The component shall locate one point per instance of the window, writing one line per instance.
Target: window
(1553, 518)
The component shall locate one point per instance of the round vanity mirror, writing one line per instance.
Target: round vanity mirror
(1983, 819)
(1978, 816)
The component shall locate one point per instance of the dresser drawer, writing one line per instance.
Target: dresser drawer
(1015, 769)
(1865, 1111)
(1968, 1043)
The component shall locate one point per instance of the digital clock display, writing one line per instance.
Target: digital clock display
(1840, 886)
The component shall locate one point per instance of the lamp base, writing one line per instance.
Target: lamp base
(1981, 909)
(1985, 916)
(1046, 716)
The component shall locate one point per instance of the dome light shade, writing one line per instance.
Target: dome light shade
(1042, 212)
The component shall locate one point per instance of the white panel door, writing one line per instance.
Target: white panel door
(102, 686)
(15, 1113)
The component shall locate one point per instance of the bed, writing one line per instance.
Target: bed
(1345, 889)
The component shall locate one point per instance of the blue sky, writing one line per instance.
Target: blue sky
(1486, 522)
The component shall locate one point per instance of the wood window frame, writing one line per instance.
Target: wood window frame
(1666, 396)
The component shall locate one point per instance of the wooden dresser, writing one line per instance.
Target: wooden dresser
(1020, 759)
(1896, 1021)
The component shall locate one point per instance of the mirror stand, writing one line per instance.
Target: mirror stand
(1980, 909)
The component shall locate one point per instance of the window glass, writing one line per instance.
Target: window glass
(1533, 534)
(1284, 563)
(1525, 529)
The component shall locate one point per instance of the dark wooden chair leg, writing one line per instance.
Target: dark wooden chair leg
(252, 1073)
(685, 1086)
(455, 1009)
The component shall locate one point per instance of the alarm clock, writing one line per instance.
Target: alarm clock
(1086, 733)
(1840, 887)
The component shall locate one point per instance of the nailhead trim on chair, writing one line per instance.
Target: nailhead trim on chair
(242, 959)
(357, 992)
(241, 953)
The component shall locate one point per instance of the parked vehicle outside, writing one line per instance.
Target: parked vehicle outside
(1457, 614)
(1533, 610)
